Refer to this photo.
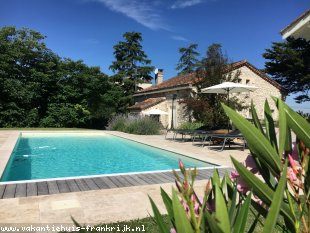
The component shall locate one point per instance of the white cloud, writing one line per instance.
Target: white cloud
(143, 12)
(185, 3)
(180, 38)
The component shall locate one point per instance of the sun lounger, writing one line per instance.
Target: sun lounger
(235, 134)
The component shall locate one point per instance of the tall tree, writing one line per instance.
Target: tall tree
(28, 74)
(37, 88)
(188, 60)
(212, 70)
(131, 64)
(289, 64)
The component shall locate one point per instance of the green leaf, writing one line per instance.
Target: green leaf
(232, 204)
(298, 124)
(168, 204)
(241, 219)
(282, 128)
(181, 221)
(255, 118)
(257, 142)
(270, 127)
(260, 189)
(158, 217)
(221, 213)
(216, 178)
(277, 200)
(212, 223)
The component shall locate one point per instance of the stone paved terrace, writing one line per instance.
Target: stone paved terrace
(106, 204)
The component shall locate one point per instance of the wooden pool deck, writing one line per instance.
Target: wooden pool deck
(16, 190)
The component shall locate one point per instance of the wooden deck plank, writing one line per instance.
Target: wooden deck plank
(82, 185)
(96, 183)
(143, 182)
(2, 188)
(42, 188)
(62, 186)
(100, 183)
(73, 186)
(131, 180)
(91, 184)
(123, 182)
(135, 180)
(166, 177)
(32, 189)
(52, 187)
(115, 181)
(21, 190)
(150, 178)
(108, 182)
(157, 177)
(146, 179)
(9, 191)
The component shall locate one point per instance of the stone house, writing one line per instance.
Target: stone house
(167, 95)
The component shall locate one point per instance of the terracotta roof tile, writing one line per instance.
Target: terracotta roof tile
(147, 103)
(191, 79)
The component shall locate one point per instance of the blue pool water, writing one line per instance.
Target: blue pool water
(42, 156)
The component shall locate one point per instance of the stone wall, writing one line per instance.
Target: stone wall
(265, 91)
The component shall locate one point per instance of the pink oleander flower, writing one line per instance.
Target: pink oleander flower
(181, 164)
(234, 175)
(258, 200)
(185, 206)
(293, 164)
(294, 153)
(196, 205)
(291, 175)
(172, 230)
(250, 164)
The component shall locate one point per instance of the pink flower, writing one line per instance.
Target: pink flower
(292, 162)
(172, 230)
(234, 175)
(294, 153)
(291, 175)
(242, 186)
(181, 164)
(251, 164)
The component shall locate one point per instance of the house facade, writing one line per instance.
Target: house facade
(168, 95)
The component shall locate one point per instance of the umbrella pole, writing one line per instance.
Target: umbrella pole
(228, 106)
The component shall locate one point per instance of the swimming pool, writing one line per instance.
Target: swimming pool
(44, 156)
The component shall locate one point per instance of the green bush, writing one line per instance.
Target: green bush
(191, 125)
(141, 126)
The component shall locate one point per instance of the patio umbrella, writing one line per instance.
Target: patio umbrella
(227, 88)
(154, 112)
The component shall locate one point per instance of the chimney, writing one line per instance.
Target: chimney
(159, 76)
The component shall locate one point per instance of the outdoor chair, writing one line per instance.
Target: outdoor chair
(235, 134)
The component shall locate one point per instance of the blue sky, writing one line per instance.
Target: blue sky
(88, 29)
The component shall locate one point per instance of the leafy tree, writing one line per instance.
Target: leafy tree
(188, 60)
(212, 70)
(37, 88)
(28, 74)
(289, 64)
(131, 63)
